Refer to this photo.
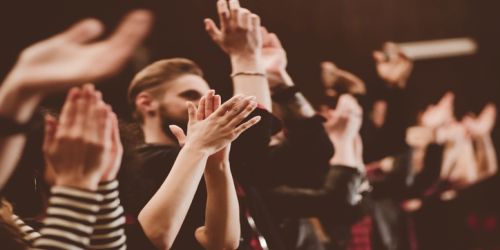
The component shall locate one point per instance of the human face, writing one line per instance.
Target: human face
(173, 108)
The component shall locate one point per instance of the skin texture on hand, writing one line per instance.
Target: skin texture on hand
(335, 78)
(73, 57)
(211, 129)
(440, 114)
(58, 63)
(79, 147)
(343, 125)
(240, 36)
(393, 66)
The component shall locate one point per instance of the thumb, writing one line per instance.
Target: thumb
(212, 29)
(178, 133)
(379, 56)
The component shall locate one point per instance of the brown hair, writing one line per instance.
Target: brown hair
(154, 76)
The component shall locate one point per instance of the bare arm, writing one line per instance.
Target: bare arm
(164, 214)
(222, 223)
(64, 60)
(240, 37)
(19, 109)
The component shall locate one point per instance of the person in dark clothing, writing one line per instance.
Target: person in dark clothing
(156, 94)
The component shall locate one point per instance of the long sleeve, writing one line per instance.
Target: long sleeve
(71, 215)
(304, 155)
(109, 230)
(339, 193)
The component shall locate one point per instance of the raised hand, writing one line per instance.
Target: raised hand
(439, 114)
(78, 147)
(73, 57)
(206, 106)
(483, 124)
(343, 125)
(215, 131)
(345, 121)
(393, 66)
(335, 79)
(239, 34)
(274, 59)
(115, 151)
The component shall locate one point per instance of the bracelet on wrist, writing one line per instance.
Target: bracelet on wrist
(248, 73)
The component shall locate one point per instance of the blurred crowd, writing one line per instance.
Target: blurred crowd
(261, 169)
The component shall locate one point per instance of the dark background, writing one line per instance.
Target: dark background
(344, 31)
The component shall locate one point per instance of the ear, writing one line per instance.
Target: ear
(146, 104)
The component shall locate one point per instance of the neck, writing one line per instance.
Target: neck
(154, 134)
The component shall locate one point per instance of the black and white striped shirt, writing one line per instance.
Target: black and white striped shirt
(80, 219)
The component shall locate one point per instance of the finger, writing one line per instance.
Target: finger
(379, 56)
(244, 19)
(131, 32)
(178, 133)
(255, 19)
(200, 114)
(67, 116)
(234, 4)
(490, 110)
(275, 41)
(92, 130)
(209, 104)
(242, 115)
(217, 102)
(228, 105)
(191, 112)
(83, 31)
(233, 114)
(81, 116)
(233, 19)
(212, 30)
(102, 125)
(90, 92)
(223, 11)
(245, 126)
(116, 140)
(447, 100)
(50, 131)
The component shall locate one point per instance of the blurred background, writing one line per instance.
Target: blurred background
(343, 31)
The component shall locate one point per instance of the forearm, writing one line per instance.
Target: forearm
(222, 221)
(164, 214)
(339, 192)
(344, 153)
(487, 155)
(251, 85)
(17, 107)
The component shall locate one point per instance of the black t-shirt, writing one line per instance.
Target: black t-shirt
(145, 170)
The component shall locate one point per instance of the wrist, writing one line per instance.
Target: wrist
(196, 149)
(251, 62)
(88, 183)
(217, 168)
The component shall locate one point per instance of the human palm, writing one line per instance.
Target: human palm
(484, 123)
(72, 58)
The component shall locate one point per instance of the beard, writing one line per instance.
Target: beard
(166, 121)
